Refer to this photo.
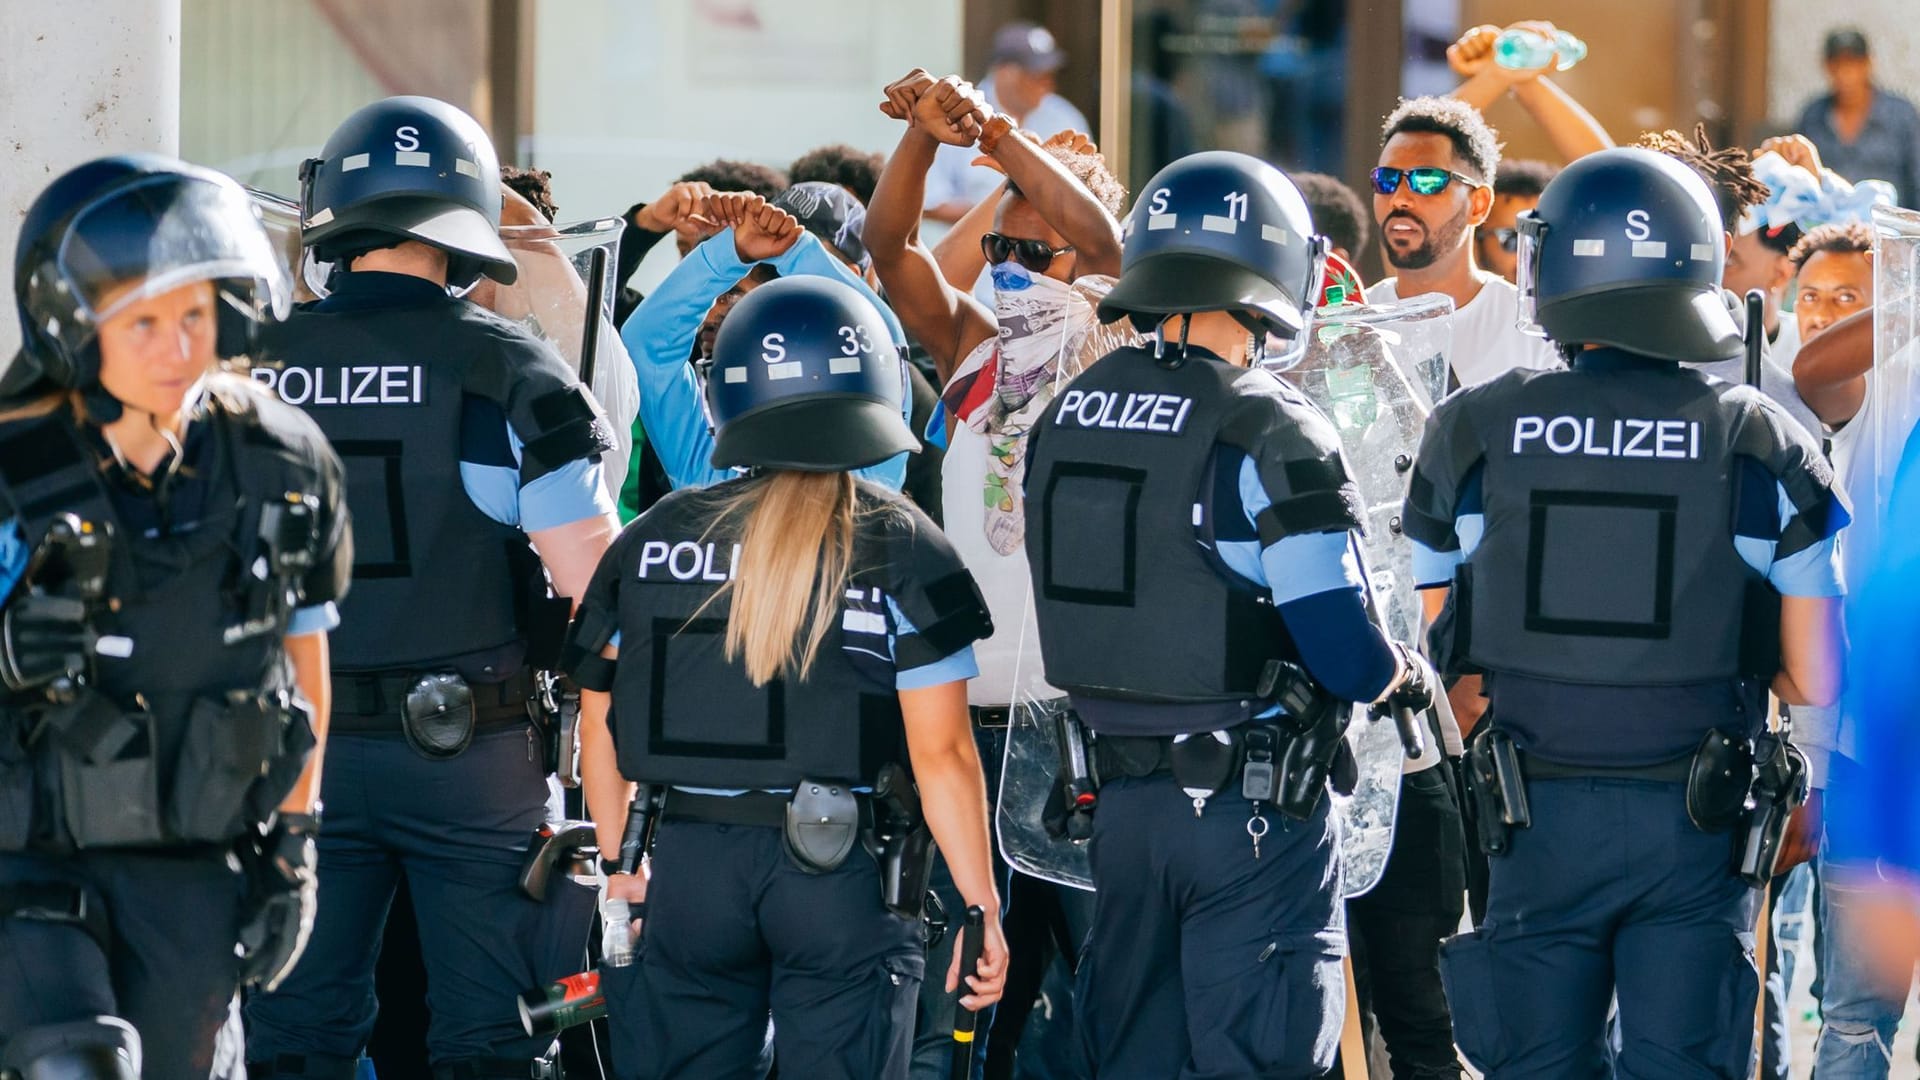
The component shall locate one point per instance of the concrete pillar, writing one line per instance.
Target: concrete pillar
(78, 79)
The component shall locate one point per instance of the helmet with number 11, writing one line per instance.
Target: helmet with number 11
(1221, 231)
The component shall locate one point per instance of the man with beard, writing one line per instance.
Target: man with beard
(1053, 223)
(1433, 185)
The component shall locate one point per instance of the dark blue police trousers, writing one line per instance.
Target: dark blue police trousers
(168, 968)
(736, 932)
(1611, 892)
(1204, 962)
(459, 829)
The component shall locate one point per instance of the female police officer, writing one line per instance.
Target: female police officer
(1190, 529)
(782, 645)
(1639, 551)
(172, 540)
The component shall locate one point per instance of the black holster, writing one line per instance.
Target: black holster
(438, 715)
(900, 842)
(1780, 786)
(1720, 778)
(1497, 786)
(1316, 740)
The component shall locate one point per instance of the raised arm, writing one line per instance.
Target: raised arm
(1572, 129)
(1831, 370)
(1063, 201)
(946, 321)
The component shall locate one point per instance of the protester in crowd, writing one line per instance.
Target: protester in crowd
(1337, 212)
(1859, 1007)
(673, 329)
(1567, 123)
(649, 223)
(1516, 190)
(1052, 222)
(1864, 131)
(1020, 85)
(1433, 187)
(837, 163)
(533, 185)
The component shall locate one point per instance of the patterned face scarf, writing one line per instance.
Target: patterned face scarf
(1048, 334)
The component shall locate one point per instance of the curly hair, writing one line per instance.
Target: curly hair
(1474, 140)
(856, 170)
(1728, 170)
(1092, 172)
(1524, 178)
(1852, 238)
(533, 185)
(726, 175)
(1337, 212)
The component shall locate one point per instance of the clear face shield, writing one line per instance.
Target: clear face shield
(156, 235)
(1277, 352)
(1531, 230)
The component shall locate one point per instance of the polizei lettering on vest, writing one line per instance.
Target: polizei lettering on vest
(687, 560)
(372, 384)
(1622, 438)
(1165, 414)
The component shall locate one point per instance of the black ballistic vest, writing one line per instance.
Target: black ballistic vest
(1608, 553)
(684, 714)
(435, 579)
(1132, 600)
(186, 605)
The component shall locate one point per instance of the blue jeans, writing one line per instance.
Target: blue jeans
(1858, 1012)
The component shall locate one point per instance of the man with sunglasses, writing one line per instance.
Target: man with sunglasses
(1433, 187)
(1516, 189)
(1053, 223)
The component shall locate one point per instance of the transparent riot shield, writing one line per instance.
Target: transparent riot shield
(1376, 371)
(1888, 450)
(1038, 831)
(566, 273)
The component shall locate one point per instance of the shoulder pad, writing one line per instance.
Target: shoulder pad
(1296, 452)
(1767, 433)
(555, 417)
(927, 578)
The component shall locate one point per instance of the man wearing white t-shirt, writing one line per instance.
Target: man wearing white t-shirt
(1432, 187)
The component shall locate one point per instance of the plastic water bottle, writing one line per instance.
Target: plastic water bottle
(616, 933)
(1520, 49)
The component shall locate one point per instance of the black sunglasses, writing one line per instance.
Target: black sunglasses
(1035, 255)
(1424, 180)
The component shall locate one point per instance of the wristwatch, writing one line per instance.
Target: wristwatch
(994, 131)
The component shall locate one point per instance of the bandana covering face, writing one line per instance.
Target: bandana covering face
(1048, 335)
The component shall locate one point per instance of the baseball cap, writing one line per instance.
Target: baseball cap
(1030, 46)
(831, 213)
(1846, 42)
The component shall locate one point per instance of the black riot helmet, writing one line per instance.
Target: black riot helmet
(1220, 231)
(805, 376)
(408, 168)
(120, 229)
(1626, 248)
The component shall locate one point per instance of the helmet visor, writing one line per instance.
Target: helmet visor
(156, 235)
(1526, 271)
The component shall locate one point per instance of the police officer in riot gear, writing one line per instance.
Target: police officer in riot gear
(172, 541)
(1191, 531)
(787, 654)
(473, 455)
(1638, 552)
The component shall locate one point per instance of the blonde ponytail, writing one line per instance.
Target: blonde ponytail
(796, 553)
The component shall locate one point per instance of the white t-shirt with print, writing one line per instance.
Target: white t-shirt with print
(1487, 341)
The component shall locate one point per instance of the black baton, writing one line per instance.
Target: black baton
(964, 1020)
(1756, 334)
(590, 333)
